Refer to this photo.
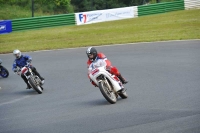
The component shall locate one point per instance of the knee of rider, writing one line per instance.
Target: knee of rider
(114, 71)
(22, 76)
(33, 68)
(108, 62)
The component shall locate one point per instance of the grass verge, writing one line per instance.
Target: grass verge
(179, 25)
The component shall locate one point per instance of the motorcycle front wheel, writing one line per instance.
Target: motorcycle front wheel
(107, 92)
(35, 87)
(4, 72)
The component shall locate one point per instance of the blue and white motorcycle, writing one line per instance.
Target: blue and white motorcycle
(3, 71)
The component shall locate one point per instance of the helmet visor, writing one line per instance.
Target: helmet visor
(90, 56)
(17, 55)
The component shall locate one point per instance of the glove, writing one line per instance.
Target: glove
(29, 61)
(28, 64)
(17, 71)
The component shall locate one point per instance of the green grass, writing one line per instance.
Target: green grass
(179, 25)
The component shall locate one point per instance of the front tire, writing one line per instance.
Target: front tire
(4, 72)
(36, 88)
(105, 90)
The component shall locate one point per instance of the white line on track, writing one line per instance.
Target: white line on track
(14, 101)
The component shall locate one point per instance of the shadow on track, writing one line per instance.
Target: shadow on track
(26, 92)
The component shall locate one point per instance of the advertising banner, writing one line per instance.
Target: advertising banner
(5, 26)
(104, 15)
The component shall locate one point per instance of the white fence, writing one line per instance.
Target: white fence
(106, 15)
(120, 13)
(190, 4)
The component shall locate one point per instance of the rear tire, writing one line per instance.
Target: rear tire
(123, 94)
(36, 88)
(109, 95)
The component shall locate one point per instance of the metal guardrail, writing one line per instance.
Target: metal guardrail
(69, 19)
(41, 22)
(160, 8)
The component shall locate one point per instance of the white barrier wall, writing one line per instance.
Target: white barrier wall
(189, 4)
(135, 10)
(120, 13)
(105, 15)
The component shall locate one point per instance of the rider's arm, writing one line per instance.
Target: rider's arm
(89, 70)
(101, 56)
(90, 67)
(88, 63)
(103, 63)
(28, 58)
(14, 68)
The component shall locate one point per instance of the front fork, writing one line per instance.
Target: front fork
(105, 80)
(110, 88)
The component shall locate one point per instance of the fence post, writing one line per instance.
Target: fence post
(32, 8)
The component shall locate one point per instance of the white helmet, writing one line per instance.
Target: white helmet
(17, 53)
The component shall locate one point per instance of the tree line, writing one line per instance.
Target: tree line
(71, 6)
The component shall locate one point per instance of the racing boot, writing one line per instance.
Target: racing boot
(122, 79)
(42, 80)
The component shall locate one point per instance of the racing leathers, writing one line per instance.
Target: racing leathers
(101, 60)
(23, 61)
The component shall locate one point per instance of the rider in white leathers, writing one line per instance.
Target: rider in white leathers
(100, 63)
(95, 57)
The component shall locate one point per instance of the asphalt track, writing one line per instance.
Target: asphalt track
(163, 90)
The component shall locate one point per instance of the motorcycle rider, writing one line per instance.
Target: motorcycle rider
(21, 61)
(94, 56)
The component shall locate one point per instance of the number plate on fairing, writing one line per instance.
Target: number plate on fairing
(94, 71)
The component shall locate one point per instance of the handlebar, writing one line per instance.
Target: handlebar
(18, 69)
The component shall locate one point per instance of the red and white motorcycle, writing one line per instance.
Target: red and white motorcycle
(33, 80)
(109, 85)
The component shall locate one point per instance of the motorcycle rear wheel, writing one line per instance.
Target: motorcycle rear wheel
(35, 87)
(109, 95)
(123, 94)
